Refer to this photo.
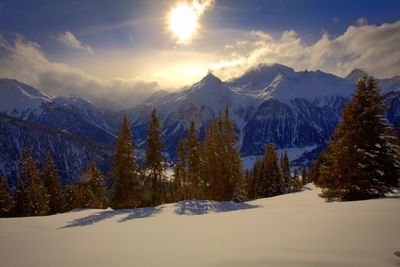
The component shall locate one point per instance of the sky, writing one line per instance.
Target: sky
(123, 46)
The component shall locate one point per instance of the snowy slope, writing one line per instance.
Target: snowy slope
(19, 99)
(72, 114)
(297, 229)
(71, 153)
(268, 104)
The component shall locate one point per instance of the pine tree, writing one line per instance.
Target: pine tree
(193, 161)
(51, 181)
(6, 201)
(315, 172)
(180, 173)
(304, 176)
(296, 183)
(272, 181)
(285, 170)
(249, 184)
(32, 199)
(154, 161)
(125, 190)
(362, 159)
(97, 187)
(71, 198)
(232, 160)
(221, 161)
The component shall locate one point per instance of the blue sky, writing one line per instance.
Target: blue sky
(102, 42)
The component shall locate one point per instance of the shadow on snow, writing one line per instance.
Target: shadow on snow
(199, 207)
(130, 214)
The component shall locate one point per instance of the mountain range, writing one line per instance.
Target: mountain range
(295, 110)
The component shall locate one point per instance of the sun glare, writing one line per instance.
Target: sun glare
(183, 22)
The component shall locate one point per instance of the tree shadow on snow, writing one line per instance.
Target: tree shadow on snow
(199, 207)
(130, 214)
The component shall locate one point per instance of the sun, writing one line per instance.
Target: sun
(183, 23)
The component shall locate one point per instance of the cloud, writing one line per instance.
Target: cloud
(68, 38)
(371, 47)
(23, 60)
(362, 21)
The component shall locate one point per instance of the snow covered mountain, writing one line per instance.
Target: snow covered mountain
(71, 153)
(269, 104)
(72, 114)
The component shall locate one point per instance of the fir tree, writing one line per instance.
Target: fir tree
(125, 190)
(296, 183)
(193, 164)
(316, 167)
(97, 187)
(272, 182)
(31, 196)
(154, 161)
(91, 191)
(304, 176)
(6, 201)
(180, 173)
(51, 181)
(285, 171)
(221, 162)
(362, 158)
(71, 198)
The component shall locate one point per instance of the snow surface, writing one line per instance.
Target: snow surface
(298, 229)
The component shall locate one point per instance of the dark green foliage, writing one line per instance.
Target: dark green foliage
(93, 183)
(125, 190)
(6, 201)
(271, 182)
(296, 184)
(285, 171)
(180, 173)
(196, 183)
(221, 163)
(154, 163)
(51, 181)
(362, 159)
(31, 196)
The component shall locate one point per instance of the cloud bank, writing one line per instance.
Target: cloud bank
(23, 60)
(68, 39)
(374, 48)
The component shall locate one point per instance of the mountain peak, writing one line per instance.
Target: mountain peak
(355, 75)
(210, 78)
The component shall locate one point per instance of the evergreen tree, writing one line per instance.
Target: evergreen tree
(272, 181)
(249, 184)
(362, 159)
(6, 201)
(180, 173)
(154, 161)
(285, 171)
(296, 183)
(231, 160)
(193, 164)
(125, 190)
(71, 198)
(304, 176)
(221, 161)
(32, 199)
(51, 182)
(315, 172)
(97, 187)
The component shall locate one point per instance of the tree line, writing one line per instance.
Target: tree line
(361, 161)
(208, 169)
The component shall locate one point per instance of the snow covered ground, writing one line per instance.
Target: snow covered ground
(297, 229)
